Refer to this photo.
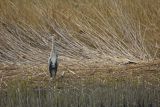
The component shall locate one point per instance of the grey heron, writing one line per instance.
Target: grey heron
(53, 60)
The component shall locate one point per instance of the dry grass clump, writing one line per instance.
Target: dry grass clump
(117, 31)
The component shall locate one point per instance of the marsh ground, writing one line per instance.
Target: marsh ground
(146, 72)
(97, 85)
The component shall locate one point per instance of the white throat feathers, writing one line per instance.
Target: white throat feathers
(53, 55)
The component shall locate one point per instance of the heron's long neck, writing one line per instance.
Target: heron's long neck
(53, 51)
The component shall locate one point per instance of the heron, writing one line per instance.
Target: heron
(53, 60)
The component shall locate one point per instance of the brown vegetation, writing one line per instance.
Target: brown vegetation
(120, 38)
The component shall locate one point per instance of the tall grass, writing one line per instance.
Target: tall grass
(98, 94)
(108, 30)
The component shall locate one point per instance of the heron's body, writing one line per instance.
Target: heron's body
(53, 61)
(53, 65)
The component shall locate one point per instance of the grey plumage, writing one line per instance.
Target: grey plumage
(53, 60)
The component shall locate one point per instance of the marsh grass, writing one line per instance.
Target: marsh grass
(111, 86)
(96, 40)
(83, 94)
(107, 30)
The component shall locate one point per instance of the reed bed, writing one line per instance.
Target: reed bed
(113, 31)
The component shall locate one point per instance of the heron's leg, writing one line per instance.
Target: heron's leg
(51, 74)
